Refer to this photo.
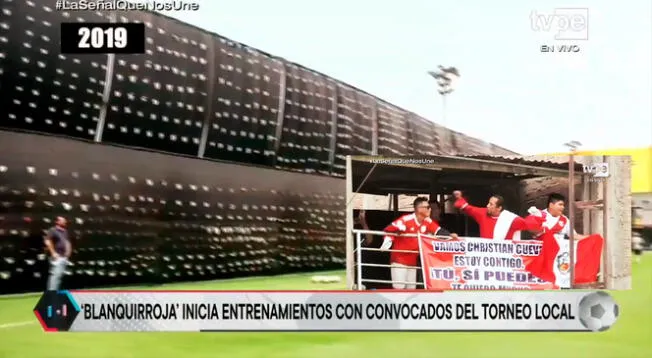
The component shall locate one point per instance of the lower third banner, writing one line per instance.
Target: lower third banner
(97, 311)
(480, 264)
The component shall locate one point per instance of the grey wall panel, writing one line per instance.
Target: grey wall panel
(158, 99)
(470, 146)
(42, 90)
(425, 140)
(245, 104)
(444, 138)
(457, 143)
(497, 150)
(306, 136)
(354, 126)
(392, 130)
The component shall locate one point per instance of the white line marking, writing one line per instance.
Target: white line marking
(16, 324)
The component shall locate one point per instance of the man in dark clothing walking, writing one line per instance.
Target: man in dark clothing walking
(59, 248)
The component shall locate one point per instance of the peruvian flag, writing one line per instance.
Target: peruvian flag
(553, 263)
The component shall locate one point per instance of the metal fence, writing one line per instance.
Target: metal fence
(372, 271)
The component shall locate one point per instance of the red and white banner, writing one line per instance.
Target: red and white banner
(553, 263)
(485, 264)
(480, 264)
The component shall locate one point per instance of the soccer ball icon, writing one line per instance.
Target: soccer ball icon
(598, 311)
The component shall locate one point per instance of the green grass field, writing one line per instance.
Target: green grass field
(21, 336)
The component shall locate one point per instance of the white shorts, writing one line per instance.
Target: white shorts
(401, 274)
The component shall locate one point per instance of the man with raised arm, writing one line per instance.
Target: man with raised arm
(495, 222)
(554, 262)
(404, 264)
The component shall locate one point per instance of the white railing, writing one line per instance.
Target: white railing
(359, 239)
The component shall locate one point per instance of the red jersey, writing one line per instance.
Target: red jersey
(408, 224)
(507, 226)
(557, 225)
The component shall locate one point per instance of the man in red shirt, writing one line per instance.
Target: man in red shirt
(495, 222)
(557, 224)
(404, 264)
(554, 219)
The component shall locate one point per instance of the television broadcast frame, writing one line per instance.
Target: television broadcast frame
(157, 175)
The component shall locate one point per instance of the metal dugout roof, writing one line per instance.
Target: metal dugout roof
(377, 175)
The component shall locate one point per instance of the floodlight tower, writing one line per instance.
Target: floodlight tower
(446, 78)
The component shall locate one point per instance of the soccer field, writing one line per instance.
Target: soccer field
(21, 336)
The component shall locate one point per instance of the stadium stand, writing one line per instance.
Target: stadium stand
(144, 217)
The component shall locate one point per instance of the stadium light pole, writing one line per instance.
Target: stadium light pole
(446, 78)
(572, 146)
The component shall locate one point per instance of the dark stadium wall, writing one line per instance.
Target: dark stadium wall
(197, 93)
(192, 94)
(139, 217)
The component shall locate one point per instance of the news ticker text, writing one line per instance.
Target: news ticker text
(326, 311)
(96, 311)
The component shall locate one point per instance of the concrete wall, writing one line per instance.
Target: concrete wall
(381, 202)
(619, 227)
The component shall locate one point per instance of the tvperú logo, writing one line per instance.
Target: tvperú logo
(564, 24)
(561, 29)
(599, 171)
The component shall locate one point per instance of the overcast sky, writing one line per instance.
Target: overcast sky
(510, 93)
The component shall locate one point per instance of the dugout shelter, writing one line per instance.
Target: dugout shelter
(600, 206)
